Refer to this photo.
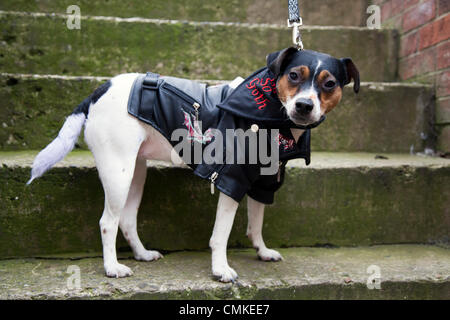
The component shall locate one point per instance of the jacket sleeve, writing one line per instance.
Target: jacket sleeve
(263, 189)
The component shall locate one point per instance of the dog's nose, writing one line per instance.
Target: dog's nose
(304, 106)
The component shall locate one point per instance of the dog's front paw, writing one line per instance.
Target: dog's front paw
(117, 270)
(148, 255)
(269, 255)
(224, 273)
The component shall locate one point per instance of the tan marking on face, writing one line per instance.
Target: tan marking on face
(324, 74)
(328, 99)
(303, 70)
(285, 88)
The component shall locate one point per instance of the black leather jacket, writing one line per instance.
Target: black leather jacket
(168, 103)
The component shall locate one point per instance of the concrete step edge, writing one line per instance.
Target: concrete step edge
(188, 22)
(319, 160)
(371, 84)
(401, 272)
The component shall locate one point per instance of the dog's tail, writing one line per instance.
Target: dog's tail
(67, 136)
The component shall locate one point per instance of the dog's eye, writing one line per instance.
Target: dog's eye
(293, 76)
(330, 84)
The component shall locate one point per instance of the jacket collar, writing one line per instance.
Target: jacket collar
(256, 99)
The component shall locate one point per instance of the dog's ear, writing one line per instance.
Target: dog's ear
(351, 72)
(277, 61)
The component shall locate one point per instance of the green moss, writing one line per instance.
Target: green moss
(45, 46)
(379, 119)
(33, 110)
(338, 206)
(325, 12)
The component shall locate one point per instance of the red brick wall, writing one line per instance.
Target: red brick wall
(424, 27)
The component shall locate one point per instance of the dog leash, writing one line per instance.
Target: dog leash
(295, 21)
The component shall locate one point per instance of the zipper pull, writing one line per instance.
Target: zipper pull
(196, 107)
(213, 179)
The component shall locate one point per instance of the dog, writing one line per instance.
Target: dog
(296, 87)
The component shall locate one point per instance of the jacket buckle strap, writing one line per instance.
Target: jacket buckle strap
(150, 81)
(148, 94)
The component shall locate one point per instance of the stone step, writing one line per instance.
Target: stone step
(339, 200)
(383, 117)
(42, 44)
(405, 272)
(323, 12)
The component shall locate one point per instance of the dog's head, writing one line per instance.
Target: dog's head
(309, 83)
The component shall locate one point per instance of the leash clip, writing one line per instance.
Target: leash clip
(296, 35)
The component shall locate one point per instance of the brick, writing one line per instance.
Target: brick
(409, 4)
(419, 15)
(391, 8)
(386, 9)
(397, 7)
(409, 44)
(406, 69)
(435, 32)
(444, 7)
(443, 56)
(422, 63)
(427, 78)
(443, 111)
(443, 84)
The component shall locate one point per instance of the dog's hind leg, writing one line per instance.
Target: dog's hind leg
(116, 176)
(128, 216)
(115, 138)
(115, 152)
(254, 231)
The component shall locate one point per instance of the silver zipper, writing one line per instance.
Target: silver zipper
(213, 179)
(196, 107)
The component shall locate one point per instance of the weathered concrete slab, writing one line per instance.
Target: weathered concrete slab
(323, 12)
(406, 272)
(343, 200)
(383, 117)
(108, 46)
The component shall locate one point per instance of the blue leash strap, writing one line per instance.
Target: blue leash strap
(295, 22)
(294, 11)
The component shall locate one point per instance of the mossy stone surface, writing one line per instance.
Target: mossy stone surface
(44, 45)
(32, 111)
(406, 272)
(381, 118)
(330, 205)
(323, 12)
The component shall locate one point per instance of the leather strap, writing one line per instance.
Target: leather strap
(150, 81)
(148, 94)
